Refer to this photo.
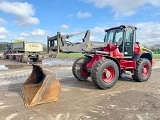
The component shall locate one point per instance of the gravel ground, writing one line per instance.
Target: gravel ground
(127, 100)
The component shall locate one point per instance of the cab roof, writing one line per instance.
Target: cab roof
(121, 26)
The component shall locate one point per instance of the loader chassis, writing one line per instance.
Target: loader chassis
(121, 54)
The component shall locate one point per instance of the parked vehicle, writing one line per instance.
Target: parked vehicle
(24, 51)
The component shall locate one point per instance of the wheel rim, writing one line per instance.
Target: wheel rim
(108, 74)
(83, 70)
(145, 70)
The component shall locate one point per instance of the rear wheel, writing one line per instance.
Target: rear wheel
(143, 70)
(17, 57)
(20, 58)
(11, 57)
(5, 56)
(79, 69)
(105, 73)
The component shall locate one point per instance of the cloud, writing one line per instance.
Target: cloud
(97, 33)
(123, 7)
(37, 33)
(24, 12)
(2, 21)
(64, 26)
(3, 33)
(23, 34)
(98, 30)
(81, 14)
(148, 33)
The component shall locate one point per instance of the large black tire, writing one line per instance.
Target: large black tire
(79, 69)
(20, 59)
(143, 70)
(105, 73)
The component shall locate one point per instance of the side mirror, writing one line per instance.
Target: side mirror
(137, 43)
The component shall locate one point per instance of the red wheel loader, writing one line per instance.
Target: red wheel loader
(122, 53)
(103, 61)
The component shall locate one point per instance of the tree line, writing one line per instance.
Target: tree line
(153, 48)
(3, 46)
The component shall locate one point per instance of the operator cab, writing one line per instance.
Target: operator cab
(124, 37)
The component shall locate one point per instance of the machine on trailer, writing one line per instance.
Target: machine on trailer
(24, 51)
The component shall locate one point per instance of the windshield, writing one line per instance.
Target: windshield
(113, 36)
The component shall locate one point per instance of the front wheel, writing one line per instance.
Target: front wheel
(105, 73)
(143, 70)
(79, 69)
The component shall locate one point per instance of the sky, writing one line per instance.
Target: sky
(34, 20)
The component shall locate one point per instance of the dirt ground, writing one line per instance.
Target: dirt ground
(127, 100)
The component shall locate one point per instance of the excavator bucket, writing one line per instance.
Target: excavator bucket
(40, 87)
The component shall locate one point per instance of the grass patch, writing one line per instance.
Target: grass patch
(78, 55)
(70, 55)
(156, 56)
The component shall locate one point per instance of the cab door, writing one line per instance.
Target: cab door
(128, 43)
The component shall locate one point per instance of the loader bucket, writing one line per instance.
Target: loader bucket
(40, 87)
